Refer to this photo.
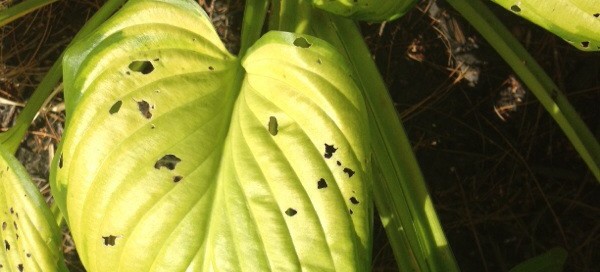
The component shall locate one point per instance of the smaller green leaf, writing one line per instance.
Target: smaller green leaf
(367, 10)
(19, 10)
(27, 228)
(551, 261)
(576, 21)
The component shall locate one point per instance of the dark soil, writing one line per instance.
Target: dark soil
(506, 182)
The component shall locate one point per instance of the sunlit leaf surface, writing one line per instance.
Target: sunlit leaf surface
(576, 21)
(175, 159)
(31, 240)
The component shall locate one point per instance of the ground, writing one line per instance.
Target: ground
(506, 182)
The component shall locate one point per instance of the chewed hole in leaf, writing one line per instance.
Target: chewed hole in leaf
(273, 127)
(109, 240)
(11, 210)
(585, 44)
(4, 225)
(211, 68)
(6, 245)
(354, 201)
(321, 184)
(28, 255)
(144, 108)
(20, 267)
(168, 161)
(338, 163)
(515, 8)
(115, 107)
(349, 171)
(145, 67)
(351, 212)
(302, 42)
(16, 227)
(291, 212)
(60, 161)
(329, 150)
(177, 179)
(596, 15)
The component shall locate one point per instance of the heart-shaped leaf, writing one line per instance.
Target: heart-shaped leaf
(175, 159)
(578, 22)
(31, 239)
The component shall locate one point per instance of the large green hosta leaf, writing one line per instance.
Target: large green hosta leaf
(576, 21)
(173, 158)
(31, 238)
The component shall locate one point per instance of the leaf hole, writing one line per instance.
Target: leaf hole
(351, 212)
(177, 179)
(349, 171)
(585, 44)
(60, 161)
(6, 245)
(319, 61)
(145, 67)
(302, 42)
(4, 225)
(168, 161)
(115, 107)
(144, 108)
(273, 126)
(338, 163)
(20, 267)
(109, 240)
(321, 184)
(596, 15)
(329, 150)
(291, 212)
(12, 211)
(515, 8)
(28, 255)
(354, 201)
(211, 68)
(15, 224)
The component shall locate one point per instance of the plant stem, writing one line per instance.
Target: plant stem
(534, 77)
(21, 9)
(12, 138)
(291, 15)
(252, 24)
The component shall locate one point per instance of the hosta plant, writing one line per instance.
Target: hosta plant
(179, 155)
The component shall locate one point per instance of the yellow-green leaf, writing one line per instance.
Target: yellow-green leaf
(176, 157)
(31, 240)
(576, 21)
